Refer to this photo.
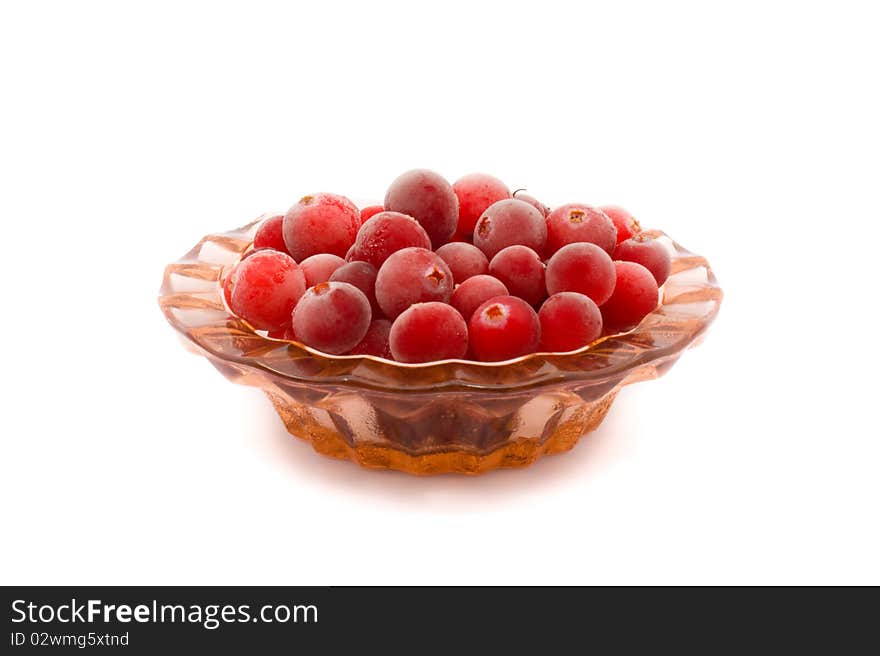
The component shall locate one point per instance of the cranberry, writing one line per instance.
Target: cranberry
(270, 234)
(279, 333)
(507, 223)
(363, 276)
(473, 292)
(574, 222)
(458, 237)
(476, 192)
(426, 332)
(648, 252)
(623, 221)
(319, 268)
(464, 260)
(375, 342)
(583, 268)
(429, 199)
(569, 321)
(504, 327)
(322, 223)
(531, 200)
(387, 233)
(265, 288)
(332, 317)
(635, 296)
(412, 275)
(369, 212)
(522, 272)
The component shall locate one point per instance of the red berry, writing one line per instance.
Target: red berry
(635, 296)
(464, 260)
(458, 237)
(279, 333)
(522, 272)
(429, 199)
(504, 327)
(270, 234)
(572, 223)
(375, 342)
(584, 268)
(473, 292)
(508, 223)
(623, 221)
(332, 317)
(369, 212)
(426, 332)
(265, 287)
(319, 268)
(412, 275)
(531, 200)
(387, 233)
(363, 276)
(648, 252)
(350, 254)
(322, 223)
(476, 192)
(569, 321)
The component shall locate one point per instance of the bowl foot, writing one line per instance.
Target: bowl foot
(562, 431)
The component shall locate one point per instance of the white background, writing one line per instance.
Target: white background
(748, 133)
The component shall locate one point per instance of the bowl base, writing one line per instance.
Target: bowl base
(519, 452)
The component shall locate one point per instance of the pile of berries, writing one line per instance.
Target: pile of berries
(441, 271)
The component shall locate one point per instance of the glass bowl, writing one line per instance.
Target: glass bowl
(449, 416)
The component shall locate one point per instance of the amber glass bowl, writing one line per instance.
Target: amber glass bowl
(449, 416)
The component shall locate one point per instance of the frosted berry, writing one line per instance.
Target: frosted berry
(387, 233)
(412, 275)
(623, 221)
(429, 199)
(369, 212)
(572, 223)
(635, 296)
(332, 317)
(375, 342)
(569, 321)
(426, 332)
(321, 223)
(584, 268)
(476, 192)
(648, 252)
(475, 291)
(363, 276)
(507, 223)
(521, 271)
(270, 234)
(502, 328)
(520, 194)
(265, 288)
(319, 268)
(464, 260)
